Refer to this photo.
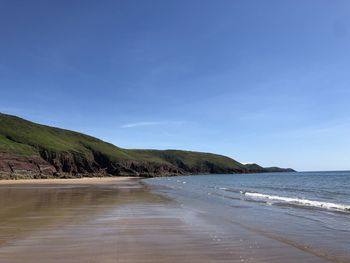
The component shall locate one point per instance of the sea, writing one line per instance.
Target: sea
(307, 210)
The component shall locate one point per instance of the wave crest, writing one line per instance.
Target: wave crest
(299, 201)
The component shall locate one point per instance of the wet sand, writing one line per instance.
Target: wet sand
(122, 220)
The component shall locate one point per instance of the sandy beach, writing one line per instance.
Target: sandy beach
(121, 220)
(73, 181)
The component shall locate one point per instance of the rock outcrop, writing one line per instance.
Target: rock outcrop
(67, 165)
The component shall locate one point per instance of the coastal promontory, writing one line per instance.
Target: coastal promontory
(30, 150)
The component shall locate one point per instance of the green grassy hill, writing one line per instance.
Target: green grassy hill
(34, 150)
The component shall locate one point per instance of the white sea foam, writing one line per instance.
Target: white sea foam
(300, 201)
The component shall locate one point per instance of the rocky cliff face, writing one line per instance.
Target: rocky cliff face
(51, 165)
(16, 166)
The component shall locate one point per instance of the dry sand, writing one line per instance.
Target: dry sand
(84, 180)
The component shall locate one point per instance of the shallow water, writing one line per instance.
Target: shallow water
(310, 211)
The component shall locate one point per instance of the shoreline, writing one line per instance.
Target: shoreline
(225, 210)
(122, 219)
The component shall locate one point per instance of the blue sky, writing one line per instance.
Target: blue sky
(259, 81)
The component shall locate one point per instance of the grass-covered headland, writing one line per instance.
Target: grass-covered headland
(30, 150)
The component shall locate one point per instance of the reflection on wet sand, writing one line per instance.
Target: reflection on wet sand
(118, 222)
(27, 207)
(121, 221)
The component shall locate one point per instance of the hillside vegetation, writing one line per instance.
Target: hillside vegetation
(32, 150)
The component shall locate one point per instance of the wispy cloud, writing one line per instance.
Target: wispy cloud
(150, 123)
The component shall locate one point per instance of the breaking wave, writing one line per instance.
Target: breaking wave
(299, 201)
